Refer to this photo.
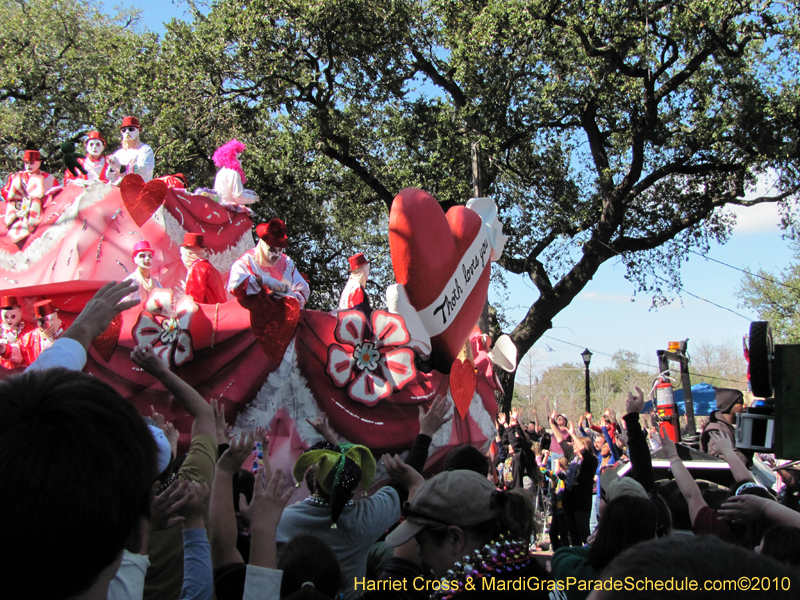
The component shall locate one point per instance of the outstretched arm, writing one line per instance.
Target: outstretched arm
(686, 483)
(748, 508)
(222, 517)
(186, 395)
(724, 447)
(641, 462)
(269, 500)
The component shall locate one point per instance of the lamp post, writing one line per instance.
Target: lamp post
(587, 358)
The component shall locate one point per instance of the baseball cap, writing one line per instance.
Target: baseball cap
(461, 498)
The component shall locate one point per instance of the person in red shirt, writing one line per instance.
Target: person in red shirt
(267, 267)
(95, 164)
(24, 193)
(11, 330)
(354, 295)
(40, 339)
(203, 281)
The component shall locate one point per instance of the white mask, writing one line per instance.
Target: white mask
(32, 166)
(129, 134)
(11, 316)
(143, 259)
(94, 148)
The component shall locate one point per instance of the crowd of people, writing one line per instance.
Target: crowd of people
(124, 516)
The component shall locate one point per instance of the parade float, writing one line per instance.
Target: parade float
(269, 362)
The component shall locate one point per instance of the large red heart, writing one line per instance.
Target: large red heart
(107, 341)
(274, 321)
(140, 198)
(428, 255)
(462, 385)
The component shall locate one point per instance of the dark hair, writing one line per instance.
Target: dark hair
(308, 558)
(468, 458)
(782, 543)
(664, 524)
(702, 558)
(626, 520)
(77, 466)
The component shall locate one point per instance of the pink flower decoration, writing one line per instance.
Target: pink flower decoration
(168, 334)
(372, 368)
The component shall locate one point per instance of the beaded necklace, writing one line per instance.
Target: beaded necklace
(498, 557)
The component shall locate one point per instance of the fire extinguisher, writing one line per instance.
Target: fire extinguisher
(666, 408)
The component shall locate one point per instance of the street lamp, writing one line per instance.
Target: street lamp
(587, 358)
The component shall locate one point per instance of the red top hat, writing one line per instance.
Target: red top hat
(131, 122)
(95, 135)
(9, 302)
(273, 233)
(193, 239)
(139, 246)
(43, 308)
(357, 260)
(32, 155)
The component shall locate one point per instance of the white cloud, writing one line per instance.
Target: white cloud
(756, 219)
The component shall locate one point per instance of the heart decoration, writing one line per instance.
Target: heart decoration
(434, 259)
(462, 385)
(140, 198)
(274, 321)
(107, 341)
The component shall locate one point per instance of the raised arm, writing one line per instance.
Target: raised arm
(723, 446)
(222, 517)
(748, 508)
(186, 395)
(269, 500)
(641, 461)
(686, 483)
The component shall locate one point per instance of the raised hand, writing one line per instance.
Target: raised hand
(431, 421)
(219, 421)
(165, 506)
(241, 447)
(146, 358)
(635, 404)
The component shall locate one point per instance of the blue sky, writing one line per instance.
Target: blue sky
(603, 317)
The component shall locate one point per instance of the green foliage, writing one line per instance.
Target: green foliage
(604, 130)
(775, 297)
(65, 69)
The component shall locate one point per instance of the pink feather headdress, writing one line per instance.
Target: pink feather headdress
(227, 156)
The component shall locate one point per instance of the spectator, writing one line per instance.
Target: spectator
(782, 543)
(626, 521)
(457, 515)
(165, 575)
(579, 494)
(100, 476)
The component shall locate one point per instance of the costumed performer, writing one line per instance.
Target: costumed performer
(24, 192)
(266, 266)
(142, 256)
(11, 332)
(203, 281)
(134, 156)
(354, 295)
(48, 331)
(230, 179)
(95, 164)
